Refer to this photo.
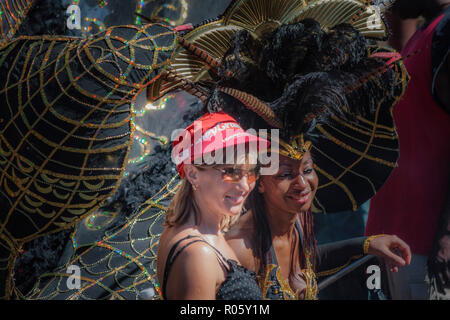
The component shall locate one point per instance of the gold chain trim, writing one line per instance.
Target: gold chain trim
(334, 270)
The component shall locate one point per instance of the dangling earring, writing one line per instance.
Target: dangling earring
(194, 187)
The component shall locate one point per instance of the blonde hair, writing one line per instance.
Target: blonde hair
(182, 204)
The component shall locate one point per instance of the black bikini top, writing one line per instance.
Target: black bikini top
(240, 283)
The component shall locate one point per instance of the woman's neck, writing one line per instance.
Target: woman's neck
(281, 223)
(208, 222)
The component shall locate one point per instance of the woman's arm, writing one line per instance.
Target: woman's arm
(334, 256)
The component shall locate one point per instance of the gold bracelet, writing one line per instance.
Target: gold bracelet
(367, 242)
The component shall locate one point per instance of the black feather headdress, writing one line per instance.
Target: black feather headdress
(311, 70)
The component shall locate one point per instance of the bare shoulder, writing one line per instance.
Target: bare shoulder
(195, 273)
(189, 250)
(239, 238)
(198, 261)
(199, 253)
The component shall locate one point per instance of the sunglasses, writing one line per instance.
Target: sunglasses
(234, 175)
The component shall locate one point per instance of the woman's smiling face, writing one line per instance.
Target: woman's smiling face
(222, 196)
(293, 187)
(223, 188)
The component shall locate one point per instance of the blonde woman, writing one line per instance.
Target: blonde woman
(194, 260)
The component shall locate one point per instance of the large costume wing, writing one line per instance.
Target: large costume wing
(120, 265)
(65, 131)
(115, 247)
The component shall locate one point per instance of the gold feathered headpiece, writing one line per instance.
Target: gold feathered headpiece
(196, 64)
(354, 153)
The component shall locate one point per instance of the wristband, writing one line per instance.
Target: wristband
(367, 242)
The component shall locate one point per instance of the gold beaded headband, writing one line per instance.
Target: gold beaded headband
(295, 148)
